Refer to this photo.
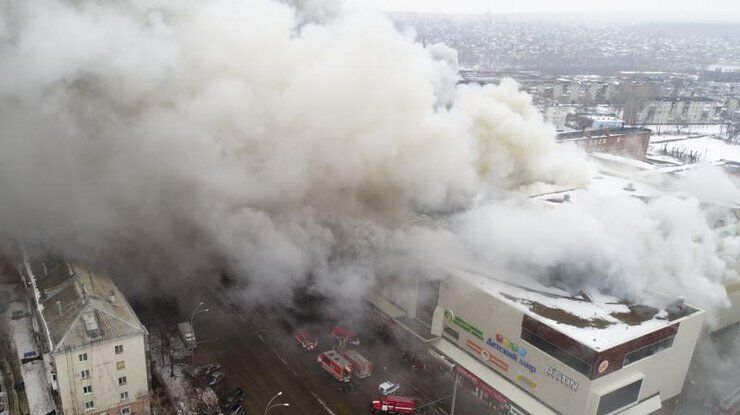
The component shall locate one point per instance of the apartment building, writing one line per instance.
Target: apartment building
(93, 341)
(524, 348)
(675, 110)
(556, 114)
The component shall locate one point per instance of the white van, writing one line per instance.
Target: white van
(387, 388)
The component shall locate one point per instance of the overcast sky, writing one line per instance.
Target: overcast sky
(672, 7)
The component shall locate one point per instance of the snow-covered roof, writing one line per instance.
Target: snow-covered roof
(602, 186)
(596, 320)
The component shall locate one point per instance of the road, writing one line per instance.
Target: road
(257, 352)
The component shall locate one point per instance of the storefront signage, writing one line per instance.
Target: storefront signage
(464, 325)
(511, 350)
(562, 378)
(527, 381)
(487, 357)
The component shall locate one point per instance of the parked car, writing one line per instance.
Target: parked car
(386, 388)
(214, 378)
(235, 409)
(232, 399)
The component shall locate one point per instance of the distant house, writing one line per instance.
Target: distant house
(93, 339)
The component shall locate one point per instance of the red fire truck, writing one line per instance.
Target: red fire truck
(305, 340)
(337, 366)
(361, 366)
(346, 335)
(394, 405)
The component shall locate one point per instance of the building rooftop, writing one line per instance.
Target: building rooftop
(599, 133)
(594, 319)
(79, 306)
(679, 99)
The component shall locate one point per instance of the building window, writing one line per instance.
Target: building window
(125, 411)
(124, 396)
(89, 405)
(619, 398)
(556, 352)
(120, 365)
(119, 349)
(85, 374)
(122, 381)
(648, 350)
(83, 357)
(87, 389)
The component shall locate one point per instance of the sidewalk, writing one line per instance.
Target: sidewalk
(186, 397)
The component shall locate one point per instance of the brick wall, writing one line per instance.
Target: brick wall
(633, 145)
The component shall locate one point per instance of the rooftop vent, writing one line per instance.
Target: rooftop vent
(91, 324)
(112, 296)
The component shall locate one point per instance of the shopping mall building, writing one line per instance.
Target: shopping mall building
(541, 350)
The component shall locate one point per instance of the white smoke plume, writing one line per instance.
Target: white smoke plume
(292, 141)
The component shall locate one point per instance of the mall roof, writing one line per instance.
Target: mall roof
(594, 319)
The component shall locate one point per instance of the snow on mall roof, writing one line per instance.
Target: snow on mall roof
(602, 186)
(594, 319)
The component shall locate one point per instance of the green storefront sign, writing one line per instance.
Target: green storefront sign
(467, 327)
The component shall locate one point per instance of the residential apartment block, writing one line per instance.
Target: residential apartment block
(676, 110)
(93, 341)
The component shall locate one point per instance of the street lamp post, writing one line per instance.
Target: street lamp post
(454, 394)
(196, 311)
(270, 406)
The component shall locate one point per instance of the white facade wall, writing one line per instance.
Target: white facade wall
(102, 363)
(664, 372)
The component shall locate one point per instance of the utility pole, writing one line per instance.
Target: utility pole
(454, 393)
(169, 353)
(196, 311)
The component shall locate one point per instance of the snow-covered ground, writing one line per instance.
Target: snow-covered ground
(706, 149)
(20, 329)
(37, 389)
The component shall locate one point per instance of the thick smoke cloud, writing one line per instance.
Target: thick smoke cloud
(289, 142)
(178, 137)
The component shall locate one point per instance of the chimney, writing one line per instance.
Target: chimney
(112, 296)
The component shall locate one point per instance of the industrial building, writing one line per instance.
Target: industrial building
(93, 343)
(630, 142)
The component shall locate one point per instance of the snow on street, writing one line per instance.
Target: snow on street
(37, 389)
